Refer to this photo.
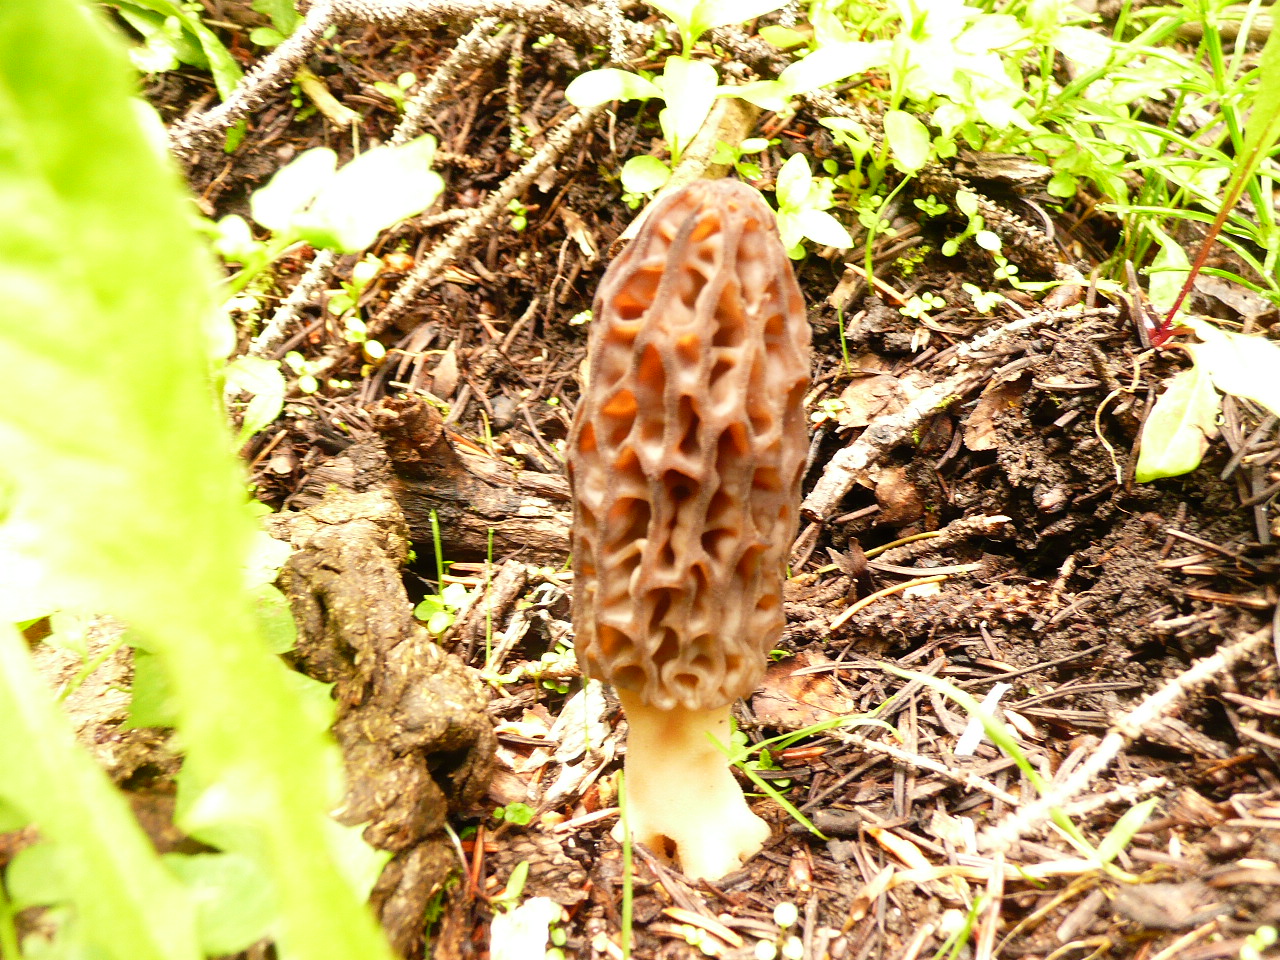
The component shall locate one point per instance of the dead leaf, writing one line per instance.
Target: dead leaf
(900, 501)
(870, 397)
(1167, 906)
(791, 702)
(868, 895)
(1239, 298)
(444, 379)
(457, 275)
(996, 400)
(576, 229)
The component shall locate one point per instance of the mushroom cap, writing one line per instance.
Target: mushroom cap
(687, 452)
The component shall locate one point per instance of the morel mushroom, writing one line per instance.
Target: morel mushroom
(685, 459)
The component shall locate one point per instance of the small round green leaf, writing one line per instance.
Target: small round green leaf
(644, 174)
(908, 140)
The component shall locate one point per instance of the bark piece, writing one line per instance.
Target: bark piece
(470, 493)
(411, 720)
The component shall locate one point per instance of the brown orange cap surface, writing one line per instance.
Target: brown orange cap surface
(687, 452)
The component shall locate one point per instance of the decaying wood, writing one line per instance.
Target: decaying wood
(411, 719)
(472, 494)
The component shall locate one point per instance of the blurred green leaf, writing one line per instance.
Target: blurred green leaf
(226, 72)
(600, 86)
(283, 14)
(151, 700)
(1177, 431)
(1241, 365)
(234, 897)
(644, 174)
(292, 189)
(262, 380)
(276, 618)
(689, 89)
(374, 191)
(833, 62)
(35, 877)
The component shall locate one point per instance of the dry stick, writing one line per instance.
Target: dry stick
(1127, 794)
(476, 48)
(962, 777)
(957, 531)
(1032, 815)
(304, 291)
(447, 249)
(252, 91)
(887, 432)
(542, 16)
(280, 66)
(984, 949)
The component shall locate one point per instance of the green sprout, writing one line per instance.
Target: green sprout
(984, 301)
(518, 814)
(967, 203)
(785, 944)
(1005, 271)
(519, 215)
(396, 92)
(921, 306)
(930, 206)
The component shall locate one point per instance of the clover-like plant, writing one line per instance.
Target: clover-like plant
(803, 202)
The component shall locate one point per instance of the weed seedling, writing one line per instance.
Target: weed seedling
(920, 307)
(967, 203)
(803, 202)
(397, 92)
(519, 814)
(786, 944)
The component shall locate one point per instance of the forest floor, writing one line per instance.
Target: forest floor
(1021, 551)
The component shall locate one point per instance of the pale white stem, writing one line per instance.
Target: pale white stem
(681, 793)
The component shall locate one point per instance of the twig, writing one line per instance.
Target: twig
(957, 531)
(542, 16)
(447, 249)
(845, 615)
(303, 292)
(280, 66)
(1126, 794)
(251, 92)
(887, 432)
(1031, 815)
(476, 48)
(337, 113)
(962, 777)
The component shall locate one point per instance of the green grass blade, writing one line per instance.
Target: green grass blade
(996, 731)
(1260, 134)
(1125, 829)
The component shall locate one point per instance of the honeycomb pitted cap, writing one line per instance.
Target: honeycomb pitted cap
(687, 452)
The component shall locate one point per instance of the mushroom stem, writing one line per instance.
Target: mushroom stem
(681, 793)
